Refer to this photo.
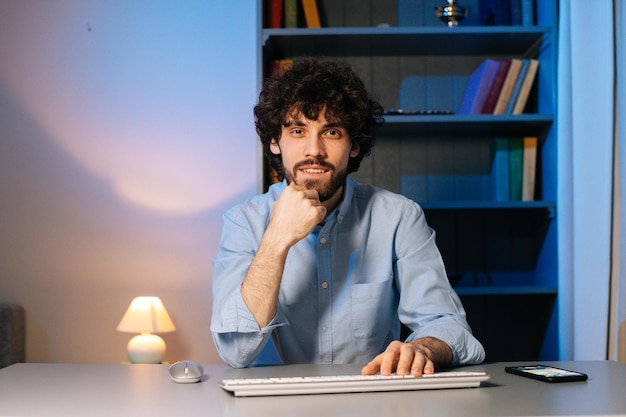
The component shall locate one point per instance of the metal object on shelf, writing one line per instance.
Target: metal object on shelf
(451, 14)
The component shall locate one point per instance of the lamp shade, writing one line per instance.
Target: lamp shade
(146, 315)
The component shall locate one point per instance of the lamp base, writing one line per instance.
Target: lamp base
(146, 348)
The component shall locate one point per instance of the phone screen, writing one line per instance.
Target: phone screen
(546, 373)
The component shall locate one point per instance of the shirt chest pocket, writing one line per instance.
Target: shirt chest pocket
(374, 306)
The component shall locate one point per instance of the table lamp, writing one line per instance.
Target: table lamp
(146, 315)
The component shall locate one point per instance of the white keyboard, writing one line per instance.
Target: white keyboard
(248, 387)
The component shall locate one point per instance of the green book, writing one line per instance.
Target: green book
(291, 13)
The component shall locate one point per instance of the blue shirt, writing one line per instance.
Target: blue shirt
(345, 288)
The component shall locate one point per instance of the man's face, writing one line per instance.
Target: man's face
(315, 153)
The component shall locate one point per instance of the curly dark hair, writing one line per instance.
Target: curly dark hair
(308, 87)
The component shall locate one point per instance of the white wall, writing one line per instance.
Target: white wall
(126, 130)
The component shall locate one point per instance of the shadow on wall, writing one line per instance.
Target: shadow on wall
(119, 154)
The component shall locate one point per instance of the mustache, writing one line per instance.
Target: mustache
(313, 161)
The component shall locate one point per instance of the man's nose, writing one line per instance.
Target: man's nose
(314, 146)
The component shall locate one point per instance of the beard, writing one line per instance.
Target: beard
(325, 189)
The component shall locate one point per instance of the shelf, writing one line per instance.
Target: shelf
(488, 205)
(404, 41)
(444, 161)
(446, 124)
(506, 290)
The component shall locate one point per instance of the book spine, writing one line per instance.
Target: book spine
(527, 84)
(502, 12)
(496, 87)
(516, 159)
(529, 168)
(507, 87)
(274, 14)
(528, 13)
(311, 14)
(516, 12)
(478, 87)
(500, 170)
(517, 87)
(290, 8)
(494, 12)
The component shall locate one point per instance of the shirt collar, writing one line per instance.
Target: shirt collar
(345, 204)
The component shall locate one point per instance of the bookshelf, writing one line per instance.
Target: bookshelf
(502, 256)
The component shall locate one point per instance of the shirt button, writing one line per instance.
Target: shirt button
(324, 329)
(325, 284)
(323, 240)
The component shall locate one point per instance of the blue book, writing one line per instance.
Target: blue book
(516, 12)
(495, 12)
(502, 12)
(500, 170)
(516, 166)
(518, 86)
(478, 87)
(528, 12)
(473, 12)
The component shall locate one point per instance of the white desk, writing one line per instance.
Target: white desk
(146, 390)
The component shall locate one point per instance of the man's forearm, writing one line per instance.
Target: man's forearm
(261, 285)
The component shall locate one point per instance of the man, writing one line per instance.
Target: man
(327, 267)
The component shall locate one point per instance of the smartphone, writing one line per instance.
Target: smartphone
(546, 373)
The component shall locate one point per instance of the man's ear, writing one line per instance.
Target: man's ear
(354, 152)
(274, 148)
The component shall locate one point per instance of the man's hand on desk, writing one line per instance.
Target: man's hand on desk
(420, 356)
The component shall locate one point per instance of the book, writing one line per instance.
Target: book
(517, 86)
(516, 160)
(311, 14)
(290, 10)
(529, 168)
(496, 87)
(516, 12)
(528, 12)
(274, 14)
(494, 12)
(478, 87)
(507, 86)
(500, 169)
(529, 78)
